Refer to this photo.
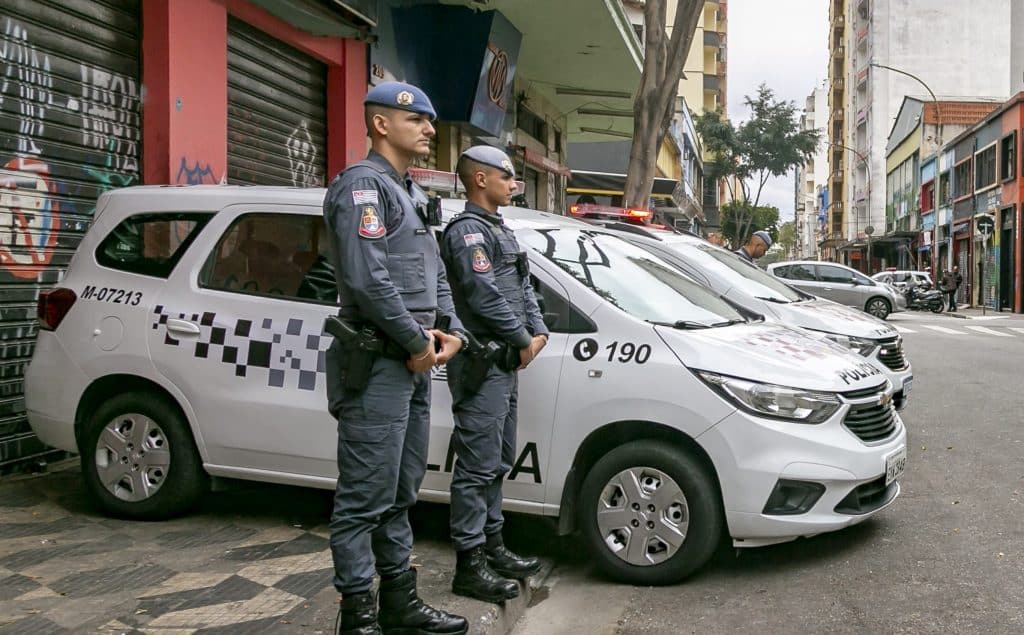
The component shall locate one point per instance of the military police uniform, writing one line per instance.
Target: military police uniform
(495, 300)
(765, 238)
(390, 280)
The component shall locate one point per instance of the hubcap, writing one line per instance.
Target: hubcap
(643, 516)
(132, 457)
(877, 308)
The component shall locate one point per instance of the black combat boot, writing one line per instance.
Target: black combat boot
(475, 579)
(506, 563)
(402, 612)
(357, 615)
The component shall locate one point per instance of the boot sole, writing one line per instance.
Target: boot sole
(495, 598)
(412, 630)
(517, 575)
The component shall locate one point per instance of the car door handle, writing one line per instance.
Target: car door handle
(183, 327)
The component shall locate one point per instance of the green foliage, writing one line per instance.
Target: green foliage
(787, 238)
(740, 220)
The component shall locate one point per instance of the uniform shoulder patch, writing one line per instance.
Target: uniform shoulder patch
(481, 264)
(473, 239)
(370, 225)
(365, 197)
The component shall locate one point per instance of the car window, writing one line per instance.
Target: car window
(270, 254)
(782, 272)
(838, 275)
(801, 272)
(862, 279)
(737, 272)
(570, 319)
(631, 278)
(150, 244)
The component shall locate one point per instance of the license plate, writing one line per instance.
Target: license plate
(907, 385)
(895, 463)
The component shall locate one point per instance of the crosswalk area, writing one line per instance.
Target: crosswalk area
(962, 330)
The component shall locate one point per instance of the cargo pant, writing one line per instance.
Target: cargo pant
(383, 433)
(485, 443)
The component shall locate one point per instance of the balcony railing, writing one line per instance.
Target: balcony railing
(862, 36)
(862, 75)
(838, 83)
(712, 38)
(837, 114)
(712, 82)
(839, 21)
(862, 115)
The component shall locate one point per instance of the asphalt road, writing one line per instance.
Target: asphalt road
(947, 557)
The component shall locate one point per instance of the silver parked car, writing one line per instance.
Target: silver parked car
(841, 284)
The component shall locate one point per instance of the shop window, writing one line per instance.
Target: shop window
(985, 167)
(962, 179)
(150, 244)
(279, 255)
(1008, 157)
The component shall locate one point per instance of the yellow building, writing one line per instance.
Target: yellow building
(835, 227)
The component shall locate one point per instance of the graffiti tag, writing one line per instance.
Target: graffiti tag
(29, 217)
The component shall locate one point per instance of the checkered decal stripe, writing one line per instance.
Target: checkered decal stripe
(290, 353)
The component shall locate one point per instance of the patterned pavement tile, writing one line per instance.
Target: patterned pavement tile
(100, 581)
(307, 584)
(269, 603)
(185, 582)
(15, 585)
(10, 530)
(33, 625)
(230, 590)
(201, 537)
(269, 625)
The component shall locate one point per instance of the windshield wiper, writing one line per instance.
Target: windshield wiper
(768, 299)
(682, 324)
(729, 323)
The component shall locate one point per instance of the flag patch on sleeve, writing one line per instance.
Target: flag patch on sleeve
(473, 239)
(480, 262)
(369, 223)
(365, 197)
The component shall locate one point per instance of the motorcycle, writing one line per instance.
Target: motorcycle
(923, 299)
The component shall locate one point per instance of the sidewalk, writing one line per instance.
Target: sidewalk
(249, 560)
(965, 312)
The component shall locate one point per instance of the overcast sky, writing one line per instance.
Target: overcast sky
(783, 43)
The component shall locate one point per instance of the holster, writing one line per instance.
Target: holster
(478, 360)
(359, 350)
(508, 358)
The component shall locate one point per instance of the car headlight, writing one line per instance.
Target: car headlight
(860, 345)
(774, 402)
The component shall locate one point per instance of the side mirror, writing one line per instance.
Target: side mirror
(551, 319)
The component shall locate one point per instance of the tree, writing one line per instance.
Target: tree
(664, 57)
(787, 239)
(741, 219)
(768, 144)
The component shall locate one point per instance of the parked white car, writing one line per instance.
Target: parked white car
(840, 284)
(900, 278)
(750, 287)
(184, 345)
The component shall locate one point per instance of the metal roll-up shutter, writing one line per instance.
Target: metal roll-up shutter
(277, 103)
(69, 131)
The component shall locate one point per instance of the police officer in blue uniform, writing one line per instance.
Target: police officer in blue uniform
(495, 301)
(391, 282)
(756, 247)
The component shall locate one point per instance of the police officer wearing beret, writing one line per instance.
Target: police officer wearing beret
(495, 301)
(390, 280)
(756, 247)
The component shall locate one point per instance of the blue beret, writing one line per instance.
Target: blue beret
(489, 155)
(763, 235)
(401, 96)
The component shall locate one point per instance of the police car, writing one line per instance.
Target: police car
(758, 291)
(186, 343)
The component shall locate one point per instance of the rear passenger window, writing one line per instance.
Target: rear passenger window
(150, 244)
(801, 272)
(273, 255)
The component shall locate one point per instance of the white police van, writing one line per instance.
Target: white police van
(761, 292)
(186, 342)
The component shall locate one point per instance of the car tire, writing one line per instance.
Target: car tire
(139, 459)
(878, 307)
(671, 555)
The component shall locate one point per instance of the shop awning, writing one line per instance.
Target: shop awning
(606, 184)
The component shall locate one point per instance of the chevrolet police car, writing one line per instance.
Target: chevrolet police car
(758, 291)
(186, 343)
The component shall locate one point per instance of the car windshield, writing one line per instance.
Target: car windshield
(631, 278)
(737, 273)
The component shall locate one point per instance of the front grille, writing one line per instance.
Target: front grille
(891, 353)
(871, 421)
(867, 497)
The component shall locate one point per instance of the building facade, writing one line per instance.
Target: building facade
(953, 48)
(811, 178)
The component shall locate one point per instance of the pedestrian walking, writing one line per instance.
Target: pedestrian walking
(391, 287)
(756, 247)
(495, 300)
(948, 285)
